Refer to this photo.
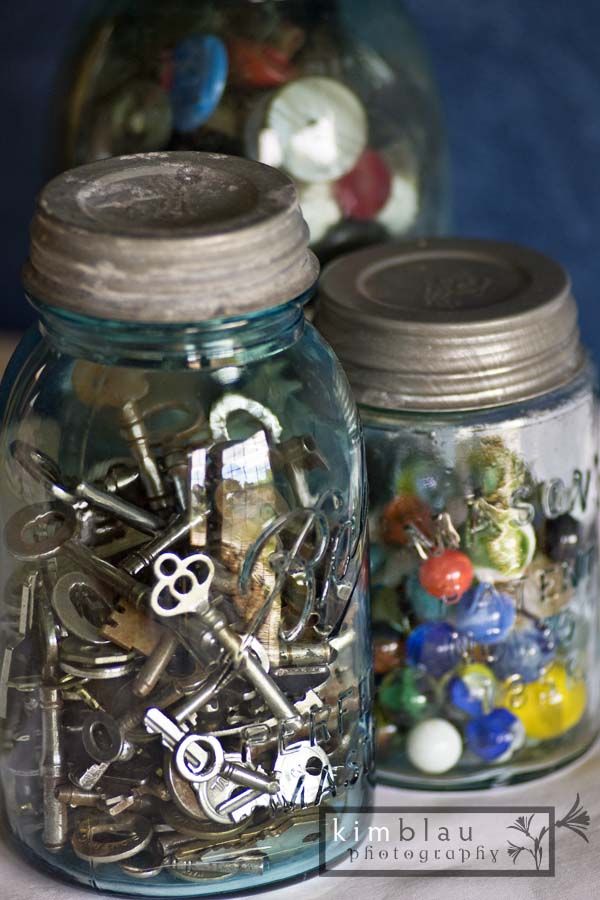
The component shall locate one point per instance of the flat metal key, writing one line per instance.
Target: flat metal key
(43, 530)
(156, 722)
(220, 763)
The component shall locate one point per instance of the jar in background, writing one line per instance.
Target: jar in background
(480, 418)
(185, 641)
(336, 93)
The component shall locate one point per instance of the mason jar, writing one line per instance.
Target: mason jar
(339, 94)
(480, 415)
(185, 641)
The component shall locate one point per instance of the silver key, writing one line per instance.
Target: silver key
(156, 722)
(305, 775)
(244, 659)
(144, 556)
(45, 471)
(218, 764)
(171, 570)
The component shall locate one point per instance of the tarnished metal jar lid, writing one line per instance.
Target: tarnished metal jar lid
(448, 325)
(169, 237)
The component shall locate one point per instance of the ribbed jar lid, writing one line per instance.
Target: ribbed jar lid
(448, 324)
(169, 237)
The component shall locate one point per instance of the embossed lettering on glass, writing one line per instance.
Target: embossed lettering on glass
(480, 416)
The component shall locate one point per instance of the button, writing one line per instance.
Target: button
(364, 191)
(199, 77)
(320, 128)
(319, 206)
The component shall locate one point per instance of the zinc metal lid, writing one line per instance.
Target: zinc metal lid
(448, 325)
(169, 237)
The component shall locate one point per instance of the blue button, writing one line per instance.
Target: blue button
(199, 78)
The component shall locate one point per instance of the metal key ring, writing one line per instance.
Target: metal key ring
(231, 403)
(133, 834)
(168, 436)
(40, 467)
(98, 673)
(30, 547)
(143, 867)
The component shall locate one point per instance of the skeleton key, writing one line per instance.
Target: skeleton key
(245, 661)
(45, 471)
(142, 557)
(131, 629)
(170, 571)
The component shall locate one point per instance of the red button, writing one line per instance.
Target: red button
(259, 65)
(362, 192)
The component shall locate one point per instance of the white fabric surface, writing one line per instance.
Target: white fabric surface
(577, 863)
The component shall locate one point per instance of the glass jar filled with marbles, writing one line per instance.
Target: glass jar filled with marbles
(185, 675)
(480, 418)
(336, 93)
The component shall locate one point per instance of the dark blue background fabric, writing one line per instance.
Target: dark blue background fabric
(520, 84)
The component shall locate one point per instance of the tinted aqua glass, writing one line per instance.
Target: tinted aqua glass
(243, 433)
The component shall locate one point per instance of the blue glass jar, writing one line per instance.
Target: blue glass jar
(338, 94)
(480, 414)
(185, 644)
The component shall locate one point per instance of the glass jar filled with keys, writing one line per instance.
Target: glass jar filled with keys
(185, 661)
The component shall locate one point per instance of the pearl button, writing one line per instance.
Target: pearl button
(320, 126)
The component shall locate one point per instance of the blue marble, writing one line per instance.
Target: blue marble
(436, 646)
(484, 614)
(493, 735)
(525, 653)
